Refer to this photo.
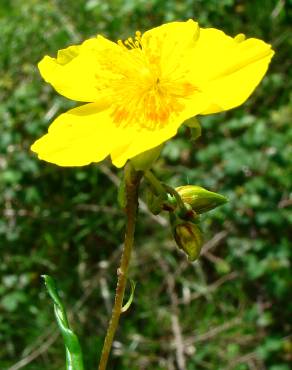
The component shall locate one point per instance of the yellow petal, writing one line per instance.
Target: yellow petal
(234, 89)
(81, 136)
(228, 69)
(166, 45)
(75, 71)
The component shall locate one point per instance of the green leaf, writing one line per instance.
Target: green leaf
(130, 300)
(73, 350)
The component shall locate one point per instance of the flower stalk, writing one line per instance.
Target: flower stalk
(163, 190)
(132, 181)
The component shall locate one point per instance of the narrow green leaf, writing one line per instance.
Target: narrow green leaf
(73, 350)
(130, 300)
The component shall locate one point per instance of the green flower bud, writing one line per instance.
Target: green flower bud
(200, 199)
(189, 238)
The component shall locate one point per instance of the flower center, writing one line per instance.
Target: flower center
(141, 95)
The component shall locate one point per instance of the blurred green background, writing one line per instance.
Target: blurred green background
(230, 310)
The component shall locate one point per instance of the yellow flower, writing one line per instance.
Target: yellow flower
(140, 91)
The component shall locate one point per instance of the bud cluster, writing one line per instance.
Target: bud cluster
(184, 205)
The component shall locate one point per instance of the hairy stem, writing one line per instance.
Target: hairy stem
(132, 181)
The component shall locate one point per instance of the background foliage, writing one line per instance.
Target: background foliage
(231, 309)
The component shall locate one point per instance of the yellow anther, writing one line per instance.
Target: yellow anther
(132, 43)
(239, 38)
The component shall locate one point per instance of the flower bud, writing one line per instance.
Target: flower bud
(200, 199)
(189, 238)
